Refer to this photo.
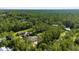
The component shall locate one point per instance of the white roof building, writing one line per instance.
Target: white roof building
(5, 49)
(55, 25)
(68, 29)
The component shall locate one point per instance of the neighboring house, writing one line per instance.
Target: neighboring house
(27, 34)
(68, 29)
(5, 49)
(55, 25)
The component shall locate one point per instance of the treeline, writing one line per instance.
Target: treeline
(15, 21)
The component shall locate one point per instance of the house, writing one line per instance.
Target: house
(5, 49)
(67, 29)
(24, 34)
(27, 34)
(55, 25)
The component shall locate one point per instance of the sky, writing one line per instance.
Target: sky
(39, 4)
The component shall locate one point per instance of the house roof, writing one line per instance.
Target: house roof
(5, 49)
(67, 29)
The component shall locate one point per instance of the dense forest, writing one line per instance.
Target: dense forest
(39, 30)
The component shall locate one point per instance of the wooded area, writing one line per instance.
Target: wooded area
(39, 30)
